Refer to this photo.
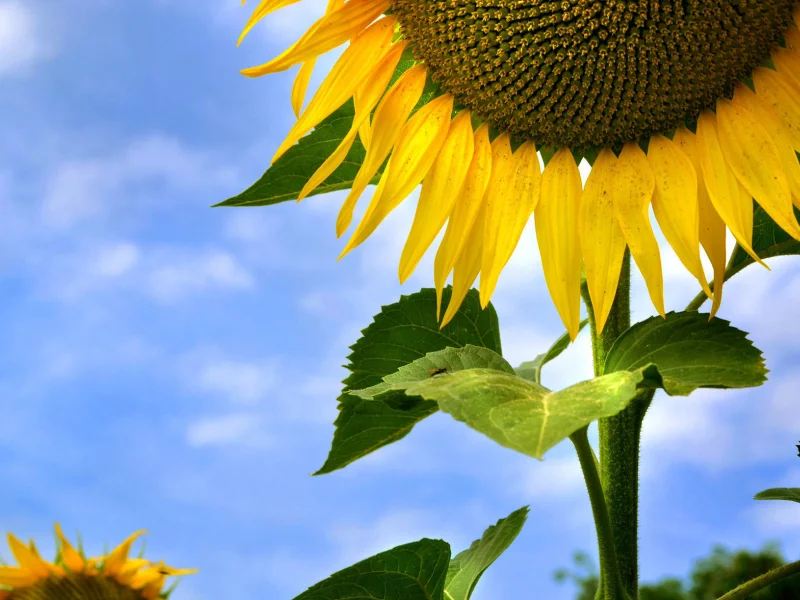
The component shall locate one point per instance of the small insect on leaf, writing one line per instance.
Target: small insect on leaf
(437, 371)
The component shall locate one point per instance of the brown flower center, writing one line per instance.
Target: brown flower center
(590, 73)
(76, 587)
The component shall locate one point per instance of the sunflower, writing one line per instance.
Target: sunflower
(689, 106)
(73, 576)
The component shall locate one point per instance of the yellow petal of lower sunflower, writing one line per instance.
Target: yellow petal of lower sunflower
(389, 118)
(556, 218)
(439, 192)
(417, 148)
(300, 86)
(340, 84)
(730, 200)
(755, 160)
(115, 561)
(633, 192)
(602, 242)
(467, 266)
(69, 555)
(371, 91)
(332, 30)
(465, 211)
(713, 236)
(508, 209)
(16, 577)
(675, 203)
(27, 558)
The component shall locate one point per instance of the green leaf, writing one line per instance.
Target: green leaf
(768, 240)
(436, 364)
(522, 415)
(286, 177)
(467, 567)
(400, 334)
(792, 494)
(415, 571)
(532, 370)
(690, 352)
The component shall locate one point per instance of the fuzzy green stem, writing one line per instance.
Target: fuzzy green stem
(610, 582)
(765, 580)
(619, 441)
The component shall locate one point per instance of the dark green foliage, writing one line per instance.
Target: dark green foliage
(710, 578)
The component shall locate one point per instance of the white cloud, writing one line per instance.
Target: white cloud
(776, 516)
(92, 187)
(240, 382)
(186, 275)
(20, 37)
(238, 429)
(553, 478)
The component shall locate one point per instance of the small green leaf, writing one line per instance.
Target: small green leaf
(285, 179)
(768, 240)
(415, 571)
(792, 494)
(522, 415)
(532, 370)
(436, 364)
(402, 333)
(467, 567)
(690, 352)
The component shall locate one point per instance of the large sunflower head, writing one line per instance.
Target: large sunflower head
(691, 107)
(72, 576)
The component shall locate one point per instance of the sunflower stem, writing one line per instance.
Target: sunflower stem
(765, 580)
(610, 582)
(619, 445)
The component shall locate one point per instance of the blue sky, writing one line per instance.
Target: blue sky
(173, 367)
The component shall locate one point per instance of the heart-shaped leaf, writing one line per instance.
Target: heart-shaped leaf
(690, 352)
(402, 333)
(769, 240)
(415, 571)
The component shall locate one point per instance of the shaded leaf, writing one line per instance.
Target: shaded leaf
(792, 494)
(415, 571)
(690, 352)
(467, 567)
(523, 415)
(532, 370)
(768, 240)
(400, 334)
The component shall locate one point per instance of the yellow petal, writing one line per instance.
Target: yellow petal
(114, 562)
(332, 30)
(417, 148)
(729, 198)
(511, 199)
(556, 219)
(675, 203)
(602, 242)
(712, 228)
(262, 10)
(633, 192)
(778, 134)
(390, 116)
(353, 66)
(27, 558)
(16, 577)
(371, 91)
(782, 98)
(755, 160)
(787, 63)
(465, 211)
(300, 85)
(69, 555)
(439, 192)
(467, 266)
